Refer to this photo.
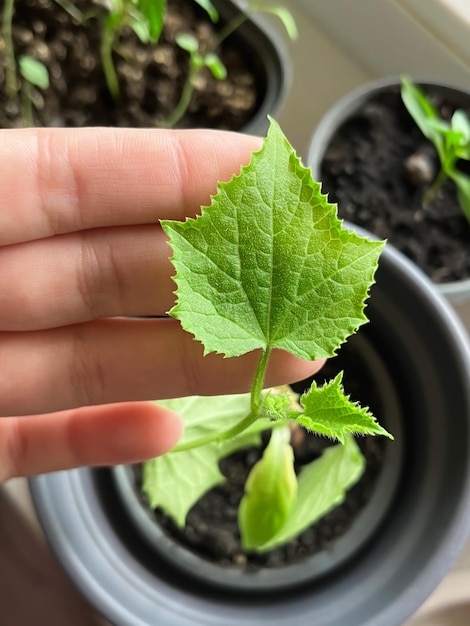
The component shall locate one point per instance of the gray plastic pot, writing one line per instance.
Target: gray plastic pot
(459, 291)
(423, 348)
(368, 520)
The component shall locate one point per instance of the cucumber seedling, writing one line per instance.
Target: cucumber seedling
(267, 266)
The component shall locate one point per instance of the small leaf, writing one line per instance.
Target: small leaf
(209, 8)
(270, 492)
(153, 11)
(218, 69)
(329, 412)
(322, 485)
(276, 406)
(141, 29)
(423, 113)
(268, 264)
(441, 126)
(34, 71)
(286, 18)
(187, 42)
(461, 124)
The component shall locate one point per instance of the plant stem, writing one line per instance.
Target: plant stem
(106, 52)
(27, 105)
(69, 7)
(186, 95)
(432, 192)
(230, 27)
(7, 33)
(247, 421)
(195, 66)
(258, 381)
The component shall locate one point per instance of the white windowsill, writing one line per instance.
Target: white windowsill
(420, 37)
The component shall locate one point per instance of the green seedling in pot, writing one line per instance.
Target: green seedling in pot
(451, 140)
(267, 266)
(197, 61)
(210, 59)
(145, 17)
(32, 72)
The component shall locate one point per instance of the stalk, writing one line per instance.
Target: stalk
(27, 105)
(247, 421)
(230, 27)
(69, 7)
(186, 95)
(7, 33)
(432, 192)
(106, 53)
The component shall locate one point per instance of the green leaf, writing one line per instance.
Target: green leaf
(268, 264)
(286, 18)
(276, 406)
(177, 480)
(153, 11)
(141, 29)
(461, 124)
(329, 412)
(270, 492)
(209, 8)
(322, 485)
(218, 69)
(34, 71)
(187, 42)
(423, 113)
(204, 415)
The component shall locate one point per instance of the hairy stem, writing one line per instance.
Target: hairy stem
(258, 381)
(7, 33)
(247, 421)
(434, 189)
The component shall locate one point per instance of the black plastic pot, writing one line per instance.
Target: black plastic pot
(354, 102)
(423, 349)
(260, 42)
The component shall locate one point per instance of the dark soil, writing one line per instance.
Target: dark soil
(151, 77)
(367, 171)
(212, 531)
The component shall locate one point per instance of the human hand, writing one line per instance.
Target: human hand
(81, 255)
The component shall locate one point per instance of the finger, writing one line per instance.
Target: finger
(121, 271)
(104, 435)
(118, 360)
(80, 179)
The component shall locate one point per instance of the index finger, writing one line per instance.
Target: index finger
(55, 181)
